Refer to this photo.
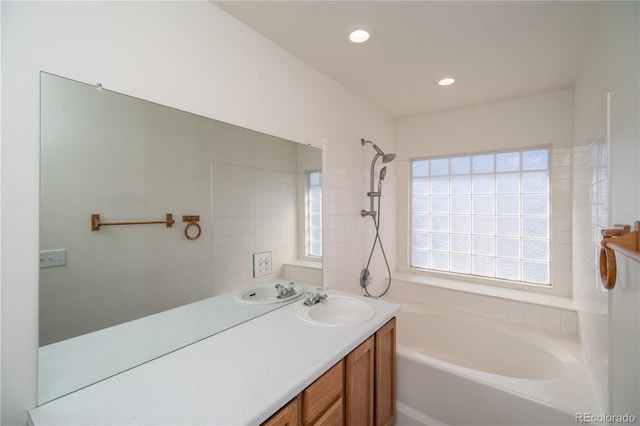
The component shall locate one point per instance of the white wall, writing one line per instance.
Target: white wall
(188, 55)
(523, 122)
(609, 321)
(510, 124)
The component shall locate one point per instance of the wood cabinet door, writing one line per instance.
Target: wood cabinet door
(333, 416)
(289, 415)
(385, 373)
(322, 395)
(359, 388)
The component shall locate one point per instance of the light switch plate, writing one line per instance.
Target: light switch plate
(50, 258)
(261, 264)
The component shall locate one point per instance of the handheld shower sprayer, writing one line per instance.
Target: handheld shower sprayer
(383, 174)
(365, 275)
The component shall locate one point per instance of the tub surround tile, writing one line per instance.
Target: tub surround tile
(501, 309)
(410, 292)
(551, 314)
(451, 299)
(485, 290)
(569, 327)
(479, 305)
(516, 312)
(426, 295)
(552, 324)
(533, 315)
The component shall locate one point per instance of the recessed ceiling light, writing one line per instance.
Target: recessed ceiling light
(447, 81)
(360, 34)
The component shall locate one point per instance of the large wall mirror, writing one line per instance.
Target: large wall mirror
(245, 213)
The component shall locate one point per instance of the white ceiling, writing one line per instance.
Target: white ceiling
(495, 50)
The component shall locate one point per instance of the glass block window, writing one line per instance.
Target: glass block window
(314, 213)
(599, 202)
(484, 214)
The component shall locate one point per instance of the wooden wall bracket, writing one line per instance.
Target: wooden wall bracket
(622, 240)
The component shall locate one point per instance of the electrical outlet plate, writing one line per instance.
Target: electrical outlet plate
(50, 258)
(261, 264)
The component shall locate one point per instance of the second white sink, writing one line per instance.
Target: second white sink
(336, 311)
(264, 294)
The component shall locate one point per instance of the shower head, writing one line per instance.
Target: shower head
(386, 158)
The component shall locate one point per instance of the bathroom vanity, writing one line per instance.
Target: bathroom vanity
(265, 370)
(359, 389)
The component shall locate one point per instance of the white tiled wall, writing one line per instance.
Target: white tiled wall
(597, 177)
(254, 211)
(561, 221)
(348, 236)
(538, 313)
(303, 272)
(342, 233)
(591, 299)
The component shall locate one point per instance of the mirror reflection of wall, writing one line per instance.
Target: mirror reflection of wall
(132, 160)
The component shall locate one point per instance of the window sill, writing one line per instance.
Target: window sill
(313, 264)
(545, 300)
(303, 271)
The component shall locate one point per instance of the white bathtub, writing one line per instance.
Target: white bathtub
(455, 368)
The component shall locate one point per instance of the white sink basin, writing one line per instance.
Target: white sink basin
(266, 294)
(336, 311)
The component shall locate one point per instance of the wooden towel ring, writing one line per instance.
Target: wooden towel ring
(192, 221)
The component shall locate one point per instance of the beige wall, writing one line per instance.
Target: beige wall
(188, 55)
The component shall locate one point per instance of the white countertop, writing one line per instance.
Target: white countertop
(75, 363)
(240, 376)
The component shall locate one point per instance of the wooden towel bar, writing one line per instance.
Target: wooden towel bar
(622, 240)
(96, 224)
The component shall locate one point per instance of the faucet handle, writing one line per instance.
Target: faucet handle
(309, 298)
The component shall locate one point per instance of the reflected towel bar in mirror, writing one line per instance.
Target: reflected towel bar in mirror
(96, 224)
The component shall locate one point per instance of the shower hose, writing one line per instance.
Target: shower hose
(377, 239)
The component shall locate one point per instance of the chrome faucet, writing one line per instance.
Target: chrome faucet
(284, 292)
(315, 297)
